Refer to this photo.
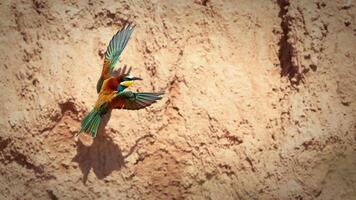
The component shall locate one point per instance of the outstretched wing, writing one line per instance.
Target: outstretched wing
(116, 46)
(135, 101)
(113, 52)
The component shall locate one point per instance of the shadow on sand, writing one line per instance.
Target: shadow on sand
(103, 156)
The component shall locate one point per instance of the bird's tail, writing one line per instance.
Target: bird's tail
(90, 123)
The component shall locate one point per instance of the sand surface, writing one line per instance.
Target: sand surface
(260, 100)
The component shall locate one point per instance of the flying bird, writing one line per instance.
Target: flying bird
(112, 86)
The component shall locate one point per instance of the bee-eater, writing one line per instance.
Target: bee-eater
(112, 86)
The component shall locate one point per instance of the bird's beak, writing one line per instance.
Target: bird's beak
(136, 78)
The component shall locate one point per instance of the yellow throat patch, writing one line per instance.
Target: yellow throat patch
(126, 83)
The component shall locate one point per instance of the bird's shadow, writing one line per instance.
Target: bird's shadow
(103, 156)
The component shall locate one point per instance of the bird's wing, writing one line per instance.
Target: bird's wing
(113, 51)
(135, 101)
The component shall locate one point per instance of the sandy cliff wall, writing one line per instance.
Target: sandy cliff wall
(260, 100)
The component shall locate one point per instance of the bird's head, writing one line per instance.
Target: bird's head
(127, 81)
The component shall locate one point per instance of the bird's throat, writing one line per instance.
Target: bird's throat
(120, 88)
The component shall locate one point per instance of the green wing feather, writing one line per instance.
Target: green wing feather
(117, 45)
(91, 121)
(113, 52)
(136, 101)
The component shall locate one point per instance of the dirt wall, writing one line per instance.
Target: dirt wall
(259, 100)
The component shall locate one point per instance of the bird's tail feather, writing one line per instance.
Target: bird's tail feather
(90, 123)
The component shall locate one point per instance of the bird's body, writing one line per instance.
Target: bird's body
(111, 86)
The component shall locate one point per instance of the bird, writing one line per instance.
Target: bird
(112, 86)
